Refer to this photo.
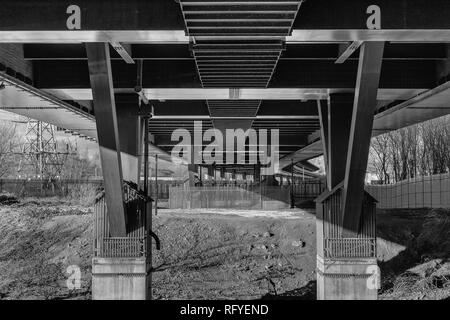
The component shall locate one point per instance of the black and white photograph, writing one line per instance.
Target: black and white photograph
(223, 158)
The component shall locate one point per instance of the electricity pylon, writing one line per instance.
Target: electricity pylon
(40, 151)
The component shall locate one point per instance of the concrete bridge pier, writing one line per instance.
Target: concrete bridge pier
(222, 173)
(211, 172)
(120, 279)
(122, 246)
(346, 231)
(257, 173)
(193, 174)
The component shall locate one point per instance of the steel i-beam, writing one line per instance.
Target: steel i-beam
(370, 60)
(108, 134)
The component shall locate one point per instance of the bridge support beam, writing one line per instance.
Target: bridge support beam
(131, 141)
(119, 133)
(108, 133)
(346, 231)
(367, 82)
(335, 116)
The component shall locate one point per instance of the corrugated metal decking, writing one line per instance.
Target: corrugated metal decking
(237, 44)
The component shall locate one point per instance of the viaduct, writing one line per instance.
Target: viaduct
(328, 74)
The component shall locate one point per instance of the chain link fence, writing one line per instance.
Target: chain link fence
(420, 192)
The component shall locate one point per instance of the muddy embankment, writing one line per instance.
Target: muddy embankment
(217, 255)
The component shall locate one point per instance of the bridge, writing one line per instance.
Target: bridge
(329, 75)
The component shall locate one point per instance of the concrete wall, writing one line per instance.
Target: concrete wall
(120, 279)
(347, 279)
(420, 192)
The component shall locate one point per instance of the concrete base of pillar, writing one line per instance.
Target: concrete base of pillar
(119, 279)
(347, 279)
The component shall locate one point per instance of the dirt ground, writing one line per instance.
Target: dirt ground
(216, 254)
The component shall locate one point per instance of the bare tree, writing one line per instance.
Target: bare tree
(422, 149)
(76, 165)
(8, 139)
(379, 153)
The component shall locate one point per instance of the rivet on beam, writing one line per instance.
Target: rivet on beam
(124, 50)
(347, 52)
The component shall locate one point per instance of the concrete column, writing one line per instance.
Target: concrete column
(335, 116)
(443, 67)
(120, 279)
(210, 172)
(257, 173)
(346, 279)
(130, 137)
(193, 171)
(342, 275)
(271, 181)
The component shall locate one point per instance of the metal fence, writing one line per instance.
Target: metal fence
(308, 189)
(257, 197)
(62, 188)
(161, 189)
(420, 192)
(43, 188)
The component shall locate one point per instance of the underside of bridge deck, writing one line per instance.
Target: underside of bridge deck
(324, 75)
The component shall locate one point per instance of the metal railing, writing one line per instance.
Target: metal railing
(117, 247)
(337, 246)
(349, 247)
(136, 242)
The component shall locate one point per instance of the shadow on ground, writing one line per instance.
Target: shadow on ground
(308, 292)
(413, 252)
